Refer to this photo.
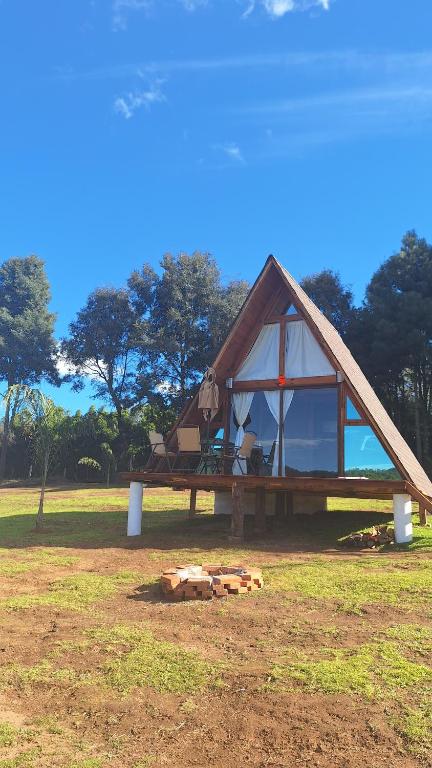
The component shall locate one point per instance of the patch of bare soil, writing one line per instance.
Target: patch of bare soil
(239, 724)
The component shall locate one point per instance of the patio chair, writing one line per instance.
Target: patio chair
(159, 450)
(189, 446)
(267, 460)
(241, 455)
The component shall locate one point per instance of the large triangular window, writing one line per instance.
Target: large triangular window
(352, 413)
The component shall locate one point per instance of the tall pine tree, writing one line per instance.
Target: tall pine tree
(27, 346)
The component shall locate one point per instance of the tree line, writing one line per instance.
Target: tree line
(145, 346)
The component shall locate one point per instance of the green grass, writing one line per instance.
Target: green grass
(143, 661)
(77, 592)
(135, 659)
(8, 734)
(370, 670)
(34, 560)
(23, 760)
(353, 583)
(82, 516)
(415, 725)
(97, 517)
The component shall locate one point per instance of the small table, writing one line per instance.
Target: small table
(212, 451)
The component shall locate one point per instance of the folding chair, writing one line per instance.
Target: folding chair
(241, 455)
(267, 461)
(189, 446)
(159, 449)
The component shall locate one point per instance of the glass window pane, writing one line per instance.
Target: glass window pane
(260, 421)
(291, 310)
(365, 456)
(351, 412)
(310, 433)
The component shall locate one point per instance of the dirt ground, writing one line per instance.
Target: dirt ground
(57, 704)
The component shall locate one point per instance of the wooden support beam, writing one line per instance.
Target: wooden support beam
(283, 318)
(281, 435)
(280, 505)
(423, 500)
(289, 504)
(260, 513)
(192, 505)
(423, 515)
(237, 517)
(282, 335)
(341, 429)
(296, 383)
(349, 487)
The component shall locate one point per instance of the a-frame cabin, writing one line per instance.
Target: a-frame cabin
(285, 374)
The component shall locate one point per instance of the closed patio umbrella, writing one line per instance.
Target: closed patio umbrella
(208, 396)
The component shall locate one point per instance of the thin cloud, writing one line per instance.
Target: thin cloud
(349, 60)
(192, 5)
(335, 117)
(381, 96)
(127, 105)
(232, 151)
(121, 9)
(276, 9)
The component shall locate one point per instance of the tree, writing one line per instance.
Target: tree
(184, 313)
(398, 346)
(333, 298)
(102, 346)
(27, 347)
(48, 420)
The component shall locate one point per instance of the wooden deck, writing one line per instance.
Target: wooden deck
(324, 486)
(349, 487)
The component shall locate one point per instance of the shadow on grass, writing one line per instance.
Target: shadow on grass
(148, 593)
(167, 530)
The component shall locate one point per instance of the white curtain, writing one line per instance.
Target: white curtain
(262, 361)
(303, 354)
(242, 402)
(273, 399)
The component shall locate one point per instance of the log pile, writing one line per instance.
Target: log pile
(203, 582)
(376, 537)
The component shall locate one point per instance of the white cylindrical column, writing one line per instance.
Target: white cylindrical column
(135, 509)
(402, 512)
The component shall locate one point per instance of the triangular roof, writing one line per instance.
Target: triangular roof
(268, 296)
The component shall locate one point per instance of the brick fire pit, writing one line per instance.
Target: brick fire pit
(203, 582)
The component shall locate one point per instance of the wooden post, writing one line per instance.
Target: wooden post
(281, 469)
(341, 428)
(135, 509)
(402, 510)
(280, 504)
(423, 515)
(237, 517)
(227, 422)
(260, 513)
(192, 504)
(289, 504)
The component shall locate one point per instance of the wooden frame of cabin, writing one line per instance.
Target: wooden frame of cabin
(274, 291)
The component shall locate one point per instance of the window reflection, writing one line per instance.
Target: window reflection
(310, 433)
(365, 456)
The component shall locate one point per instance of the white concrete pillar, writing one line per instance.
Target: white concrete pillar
(135, 509)
(402, 512)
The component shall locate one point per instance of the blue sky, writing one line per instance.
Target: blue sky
(130, 128)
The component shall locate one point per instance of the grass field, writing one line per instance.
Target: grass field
(329, 665)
